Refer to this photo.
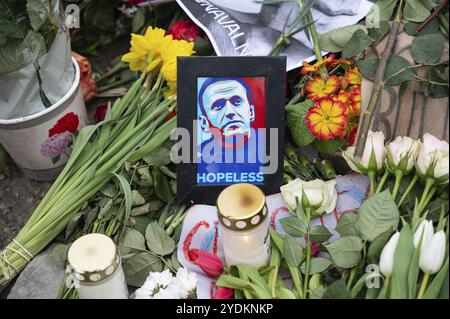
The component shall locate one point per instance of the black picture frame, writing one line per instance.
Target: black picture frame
(189, 70)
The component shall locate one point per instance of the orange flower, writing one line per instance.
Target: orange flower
(343, 62)
(352, 77)
(356, 99)
(318, 89)
(326, 119)
(315, 68)
(342, 97)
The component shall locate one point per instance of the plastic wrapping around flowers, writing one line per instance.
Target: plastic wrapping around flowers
(200, 249)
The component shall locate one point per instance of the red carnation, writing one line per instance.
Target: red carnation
(184, 30)
(68, 123)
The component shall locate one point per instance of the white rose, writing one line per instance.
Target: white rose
(319, 195)
(433, 159)
(373, 156)
(402, 154)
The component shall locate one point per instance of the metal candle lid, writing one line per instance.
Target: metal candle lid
(94, 257)
(241, 207)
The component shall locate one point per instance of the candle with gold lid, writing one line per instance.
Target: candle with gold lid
(244, 221)
(97, 268)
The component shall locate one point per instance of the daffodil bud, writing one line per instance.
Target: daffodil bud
(433, 159)
(424, 231)
(432, 255)
(402, 154)
(373, 156)
(387, 255)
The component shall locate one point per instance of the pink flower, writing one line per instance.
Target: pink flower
(56, 145)
(208, 262)
(223, 293)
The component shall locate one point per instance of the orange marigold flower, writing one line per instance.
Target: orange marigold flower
(343, 97)
(352, 77)
(326, 119)
(355, 93)
(315, 68)
(318, 89)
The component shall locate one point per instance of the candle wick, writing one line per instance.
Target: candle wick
(246, 201)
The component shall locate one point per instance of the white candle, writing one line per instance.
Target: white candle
(244, 224)
(97, 268)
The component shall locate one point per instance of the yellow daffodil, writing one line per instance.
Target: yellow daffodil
(326, 119)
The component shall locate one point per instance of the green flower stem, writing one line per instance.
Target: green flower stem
(382, 182)
(428, 199)
(398, 180)
(373, 181)
(428, 186)
(366, 118)
(352, 277)
(408, 190)
(423, 286)
(308, 212)
(315, 37)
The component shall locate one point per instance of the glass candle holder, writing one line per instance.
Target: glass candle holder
(97, 268)
(244, 223)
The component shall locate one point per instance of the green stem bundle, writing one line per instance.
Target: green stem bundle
(132, 128)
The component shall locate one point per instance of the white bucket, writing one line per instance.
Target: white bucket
(28, 141)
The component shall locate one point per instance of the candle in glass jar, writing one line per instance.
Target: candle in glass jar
(97, 268)
(244, 222)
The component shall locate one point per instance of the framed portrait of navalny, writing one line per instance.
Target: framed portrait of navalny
(230, 114)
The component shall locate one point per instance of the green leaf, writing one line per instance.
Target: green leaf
(346, 251)
(357, 44)
(376, 247)
(330, 147)
(297, 124)
(377, 215)
(18, 54)
(438, 282)
(402, 260)
(413, 274)
(38, 12)
(415, 11)
(318, 265)
(319, 234)
(254, 276)
(158, 241)
(341, 36)
(159, 157)
(133, 241)
(432, 27)
(138, 267)
(138, 20)
(348, 225)
(378, 34)
(137, 199)
(428, 49)
(434, 74)
(337, 290)
(162, 185)
(292, 251)
(327, 44)
(293, 226)
(126, 189)
(395, 65)
(383, 11)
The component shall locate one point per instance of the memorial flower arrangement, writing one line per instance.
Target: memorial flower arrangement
(134, 126)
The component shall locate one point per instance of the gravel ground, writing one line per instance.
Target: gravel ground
(18, 198)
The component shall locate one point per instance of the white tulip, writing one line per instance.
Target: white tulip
(402, 154)
(319, 195)
(373, 156)
(387, 255)
(424, 231)
(433, 159)
(432, 255)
